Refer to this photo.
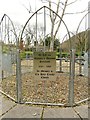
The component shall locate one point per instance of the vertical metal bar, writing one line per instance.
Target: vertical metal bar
(0, 55)
(61, 60)
(44, 82)
(80, 65)
(71, 79)
(85, 33)
(2, 47)
(2, 30)
(18, 78)
(89, 54)
(7, 42)
(0, 68)
(44, 26)
(5, 29)
(36, 31)
(36, 82)
(8, 31)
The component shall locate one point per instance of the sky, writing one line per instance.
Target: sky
(16, 10)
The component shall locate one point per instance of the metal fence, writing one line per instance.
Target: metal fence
(17, 80)
(8, 57)
(69, 88)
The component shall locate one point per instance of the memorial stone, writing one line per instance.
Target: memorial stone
(44, 65)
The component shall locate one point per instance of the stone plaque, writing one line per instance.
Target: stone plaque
(44, 66)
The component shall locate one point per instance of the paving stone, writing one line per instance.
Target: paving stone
(13, 110)
(82, 111)
(5, 105)
(24, 111)
(60, 113)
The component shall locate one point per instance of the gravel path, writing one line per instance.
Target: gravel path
(46, 91)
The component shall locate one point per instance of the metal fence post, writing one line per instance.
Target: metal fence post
(61, 71)
(0, 61)
(18, 78)
(89, 73)
(71, 78)
(80, 65)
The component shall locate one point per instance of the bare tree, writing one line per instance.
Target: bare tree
(53, 20)
(61, 10)
(30, 34)
(82, 43)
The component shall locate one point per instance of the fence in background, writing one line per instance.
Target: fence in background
(16, 72)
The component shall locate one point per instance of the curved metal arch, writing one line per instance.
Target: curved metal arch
(81, 22)
(66, 35)
(5, 15)
(53, 12)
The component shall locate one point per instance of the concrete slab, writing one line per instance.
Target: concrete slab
(24, 111)
(59, 113)
(13, 110)
(82, 111)
(6, 105)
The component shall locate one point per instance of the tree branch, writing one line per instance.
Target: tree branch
(72, 2)
(57, 9)
(61, 18)
(50, 11)
(77, 12)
